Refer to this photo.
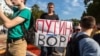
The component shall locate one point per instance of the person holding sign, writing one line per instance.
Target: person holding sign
(50, 51)
(51, 13)
(16, 44)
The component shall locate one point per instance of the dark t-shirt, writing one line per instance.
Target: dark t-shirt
(96, 37)
(50, 50)
(51, 17)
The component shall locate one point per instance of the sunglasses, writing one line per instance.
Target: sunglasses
(77, 29)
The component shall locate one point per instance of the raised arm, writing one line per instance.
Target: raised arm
(9, 3)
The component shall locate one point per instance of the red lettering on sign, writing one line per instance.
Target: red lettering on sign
(38, 21)
(55, 26)
(71, 31)
(48, 25)
(65, 28)
(62, 27)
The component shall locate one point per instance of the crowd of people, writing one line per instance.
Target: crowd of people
(17, 46)
(87, 46)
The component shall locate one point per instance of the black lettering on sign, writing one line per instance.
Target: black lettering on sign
(62, 40)
(41, 40)
(51, 41)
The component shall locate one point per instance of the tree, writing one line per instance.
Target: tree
(93, 9)
(75, 21)
(36, 11)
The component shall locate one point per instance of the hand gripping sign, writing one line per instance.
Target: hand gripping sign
(53, 33)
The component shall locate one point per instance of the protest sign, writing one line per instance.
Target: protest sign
(53, 32)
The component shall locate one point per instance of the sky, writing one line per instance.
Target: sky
(65, 9)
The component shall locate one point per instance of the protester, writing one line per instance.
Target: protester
(77, 28)
(16, 44)
(86, 46)
(50, 51)
(96, 36)
(51, 13)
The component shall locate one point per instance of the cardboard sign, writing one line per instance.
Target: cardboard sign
(53, 32)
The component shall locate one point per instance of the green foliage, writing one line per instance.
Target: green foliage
(36, 11)
(93, 9)
(75, 22)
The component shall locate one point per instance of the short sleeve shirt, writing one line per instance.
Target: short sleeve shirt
(16, 31)
(50, 17)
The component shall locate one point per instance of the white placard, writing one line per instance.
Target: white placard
(54, 26)
(53, 32)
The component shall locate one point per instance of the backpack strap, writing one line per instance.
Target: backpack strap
(79, 38)
(32, 24)
(22, 24)
(73, 45)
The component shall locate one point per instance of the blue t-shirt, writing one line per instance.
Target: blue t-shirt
(88, 47)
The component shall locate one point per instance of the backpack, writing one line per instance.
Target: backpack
(29, 35)
(73, 45)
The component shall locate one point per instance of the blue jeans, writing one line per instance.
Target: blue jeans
(46, 51)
